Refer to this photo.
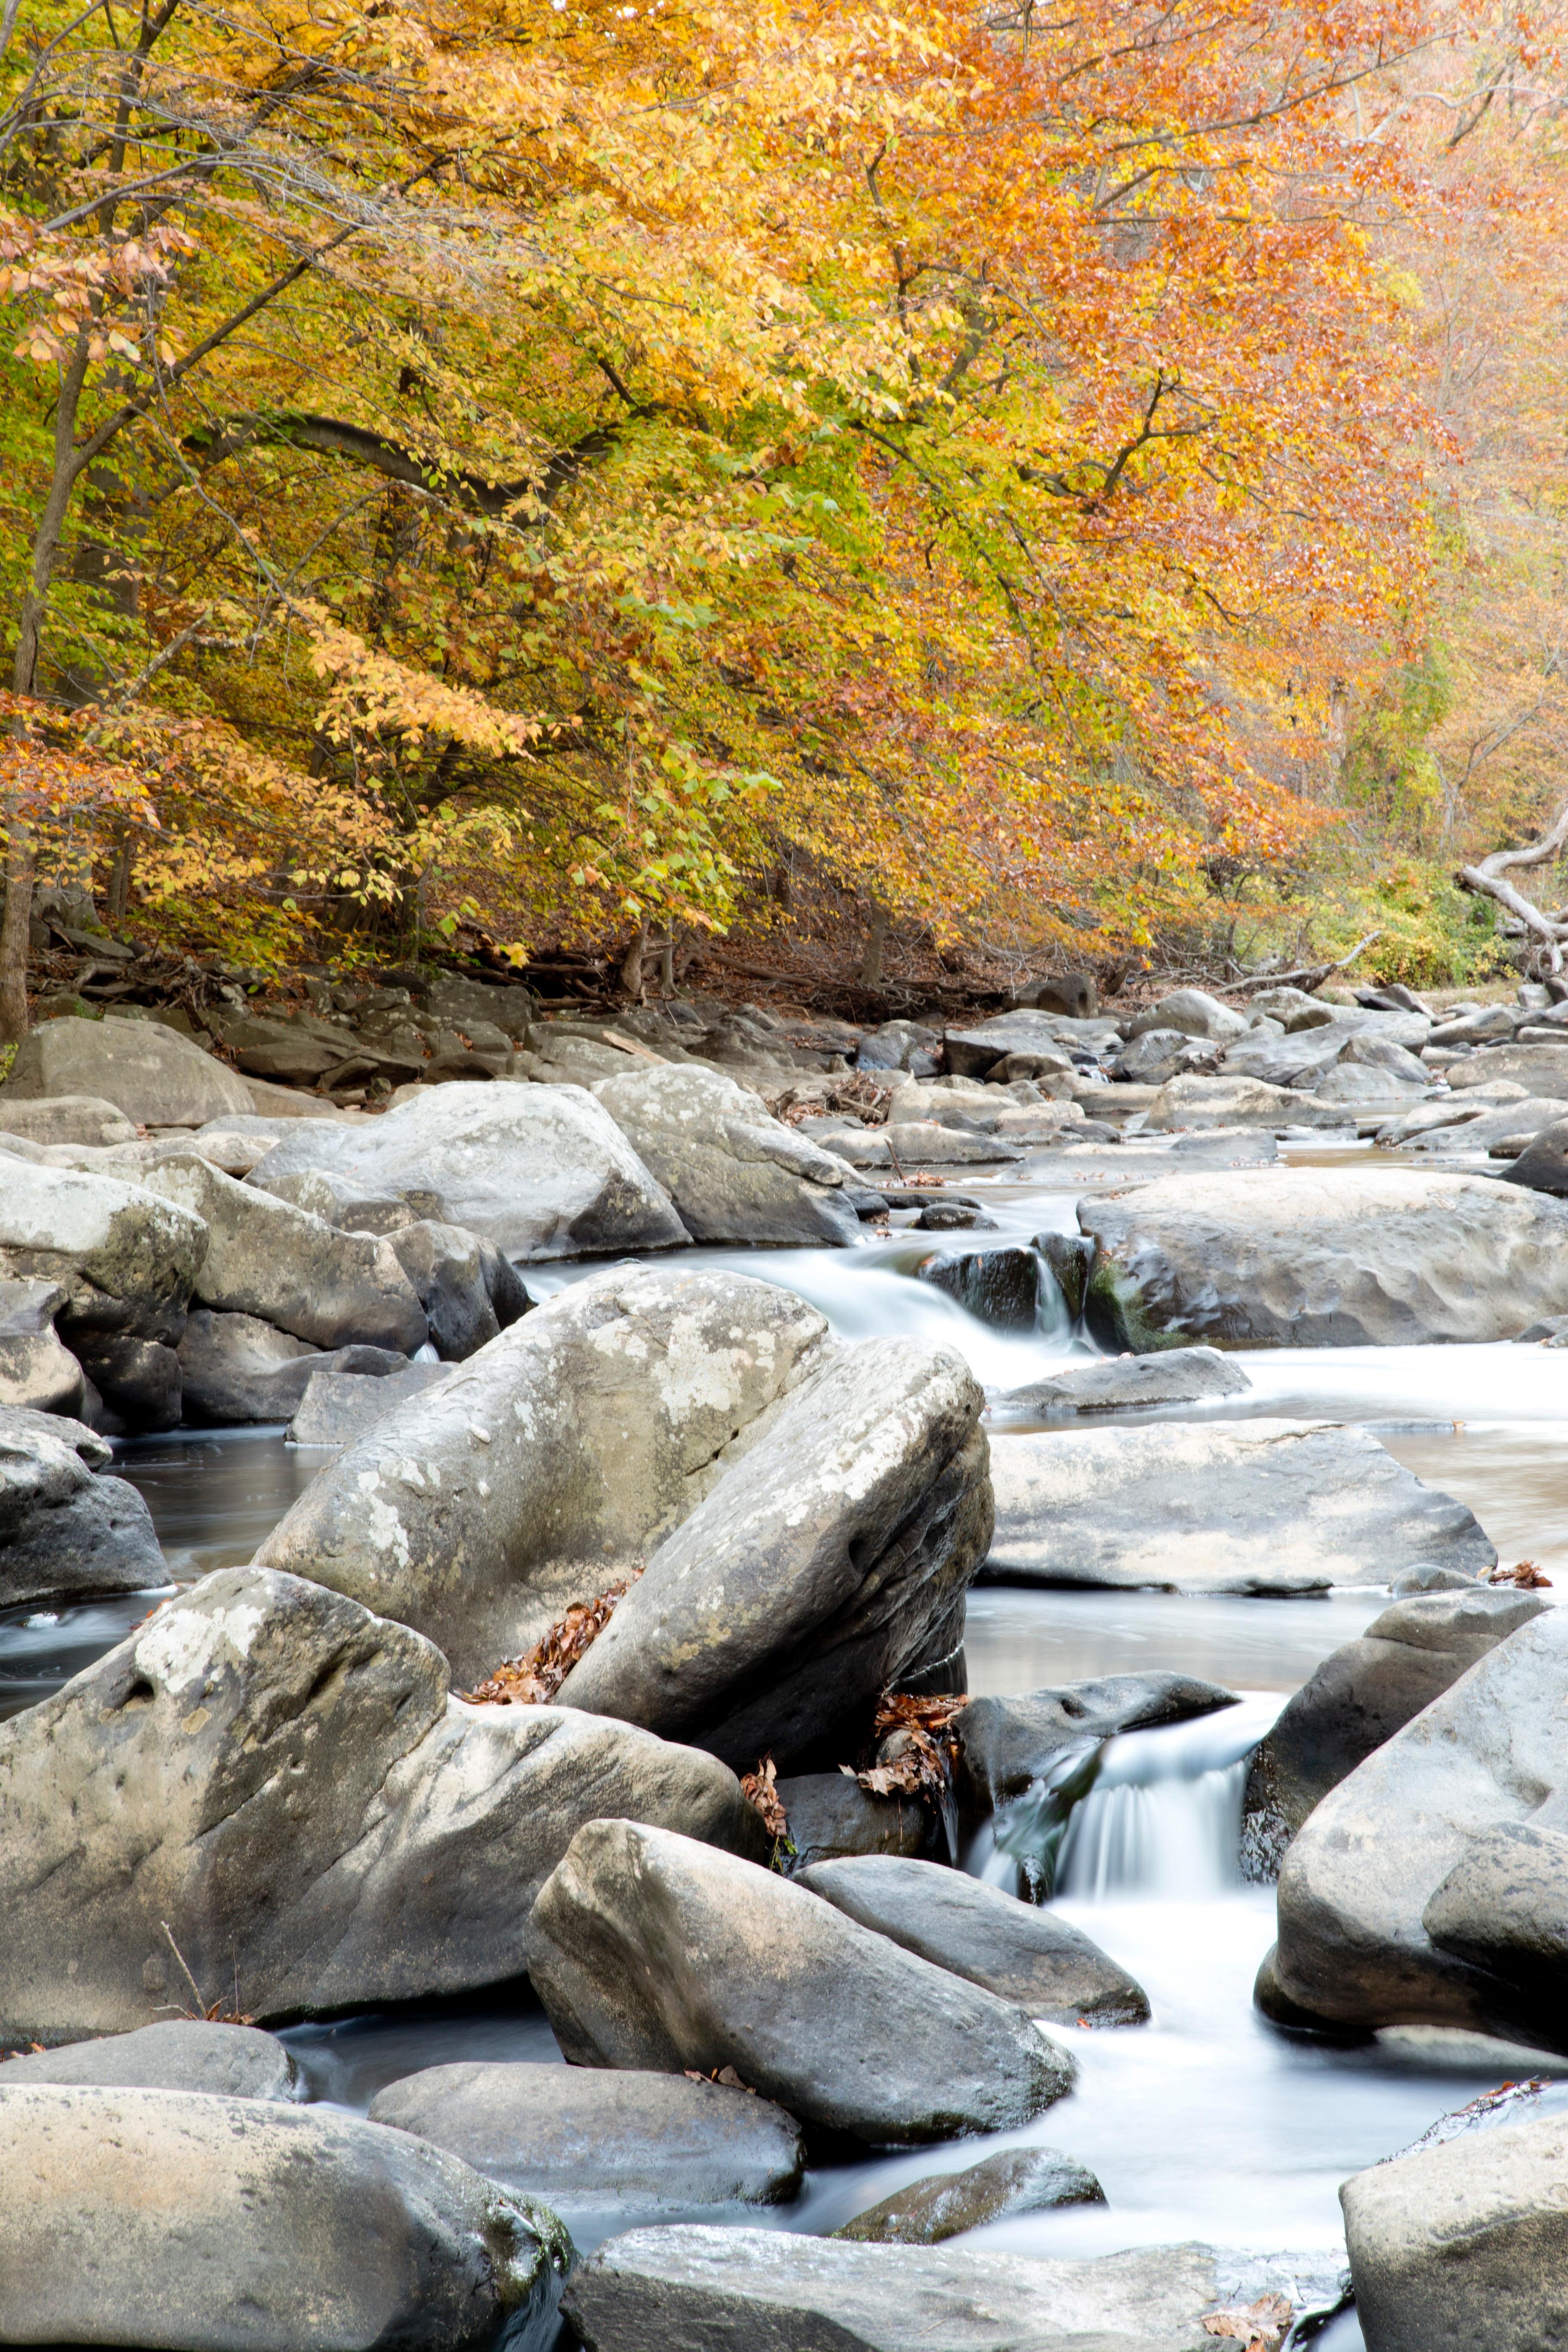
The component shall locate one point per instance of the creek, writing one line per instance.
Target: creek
(1207, 2124)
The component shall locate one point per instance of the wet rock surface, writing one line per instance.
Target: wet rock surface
(1005, 1744)
(1176, 1376)
(236, 1369)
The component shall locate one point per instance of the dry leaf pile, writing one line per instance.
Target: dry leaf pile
(724, 2076)
(1524, 1573)
(761, 1791)
(1262, 2325)
(533, 1679)
(913, 1760)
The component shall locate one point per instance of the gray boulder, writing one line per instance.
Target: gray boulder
(1195, 1101)
(973, 1052)
(1489, 1753)
(64, 1118)
(132, 2217)
(1001, 2188)
(338, 1201)
(650, 1950)
(1366, 1692)
(1543, 1165)
(823, 1568)
(446, 1267)
(1176, 1376)
(1464, 2244)
(268, 1259)
(235, 1368)
(734, 1172)
(1540, 1069)
(586, 2136)
(155, 1076)
(1195, 1012)
(36, 1369)
(1475, 1127)
(1189, 1507)
(549, 1465)
(337, 1407)
(830, 1814)
(1309, 1258)
(1005, 1744)
(542, 1170)
(1504, 1907)
(1158, 1055)
(1021, 1953)
(64, 1532)
(281, 1785)
(767, 2291)
(184, 2054)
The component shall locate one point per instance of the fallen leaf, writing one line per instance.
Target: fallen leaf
(1260, 2325)
(533, 1679)
(759, 1790)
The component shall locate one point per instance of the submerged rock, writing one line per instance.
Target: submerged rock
(650, 1950)
(1248, 1506)
(825, 1566)
(235, 2061)
(1021, 1954)
(1302, 1259)
(548, 1466)
(157, 2218)
(283, 1784)
(1177, 1376)
(65, 1532)
(542, 1170)
(586, 2136)
(152, 1074)
(734, 1172)
(1015, 2181)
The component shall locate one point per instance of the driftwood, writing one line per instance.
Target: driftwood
(1311, 975)
(1489, 879)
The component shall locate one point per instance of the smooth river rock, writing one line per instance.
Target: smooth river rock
(1014, 2181)
(1172, 1376)
(543, 1171)
(1022, 1953)
(1246, 1506)
(825, 1566)
(592, 2136)
(734, 1172)
(152, 1074)
(67, 1532)
(1356, 1891)
(770, 2291)
(1303, 1258)
(179, 2053)
(283, 1785)
(63, 1119)
(650, 1950)
(553, 1463)
(196, 2223)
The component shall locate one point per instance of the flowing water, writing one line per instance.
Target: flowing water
(1207, 2124)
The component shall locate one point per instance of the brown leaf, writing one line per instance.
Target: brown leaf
(533, 1679)
(1260, 2325)
(1524, 1574)
(759, 1790)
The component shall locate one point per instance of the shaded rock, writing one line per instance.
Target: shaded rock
(268, 1259)
(296, 2227)
(36, 1369)
(1366, 1692)
(591, 2136)
(1001, 1286)
(1543, 1165)
(156, 1077)
(126, 1260)
(1489, 1753)
(338, 1201)
(830, 1815)
(236, 2062)
(542, 1170)
(553, 1463)
(1308, 1259)
(973, 1052)
(446, 1265)
(66, 1533)
(1023, 1954)
(755, 2290)
(1464, 2244)
(1252, 1507)
(1071, 1260)
(1076, 994)
(1180, 1376)
(650, 1950)
(1504, 1907)
(734, 1172)
(136, 1382)
(1005, 1744)
(65, 1119)
(1157, 1055)
(283, 1781)
(235, 1368)
(1193, 1012)
(818, 1571)
(338, 1407)
(1015, 2180)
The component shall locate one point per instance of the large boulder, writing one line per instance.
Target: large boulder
(829, 1563)
(1543, 1165)
(159, 2218)
(1476, 1129)
(269, 1259)
(1357, 1946)
(1005, 1745)
(734, 1172)
(831, 1815)
(269, 1793)
(1305, 1258)
(1540, 1069)
(180, 2053)
(1189, 1507)
(591, 2136)
(549, 1467)
(1464, 2244)
(63, 1119)
(1021, 1952)
(155, 1076)
(1362, 1694)
(1195, 1012)
(755, 2290)
(971, 1053)
(542, 1170)
(446, 1267)
(650, 1950)
(235, 1368)
(36, 1368)
(65, 1532)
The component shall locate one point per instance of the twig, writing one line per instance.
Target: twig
(201, 2005)
(1311, 975)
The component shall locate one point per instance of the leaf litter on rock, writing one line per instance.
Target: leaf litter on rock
(1260, 2325)
(534, 1679)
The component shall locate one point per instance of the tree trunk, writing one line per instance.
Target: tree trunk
(120, 884)
(667, 964)
(876, 939)
(631, 970)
